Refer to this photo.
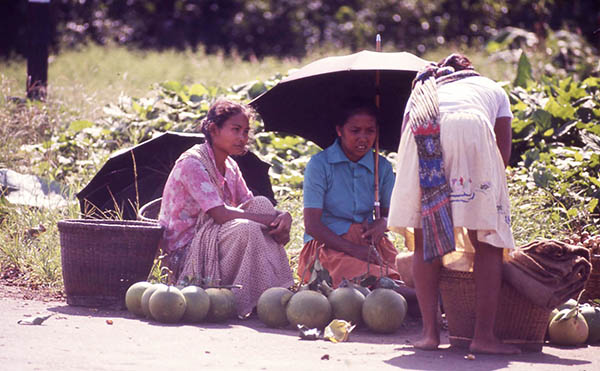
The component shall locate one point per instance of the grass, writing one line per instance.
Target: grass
(82, 82)
(94, 76)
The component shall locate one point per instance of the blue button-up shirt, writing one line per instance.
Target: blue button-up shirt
(343, 189)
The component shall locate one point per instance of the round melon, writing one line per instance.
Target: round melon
(346, 303)
(197, 303)
(592, 318)
(167, 304)
(271, 306)
(222, 304)
(145, 301)
(384, 310)
(308, 308)
(229, 293)
(133, 297)
(572, 331)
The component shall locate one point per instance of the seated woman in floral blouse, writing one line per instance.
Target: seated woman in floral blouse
(214, 227)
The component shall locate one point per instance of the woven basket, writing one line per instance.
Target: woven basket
(102, 258)
(592, 285)
(518, 322)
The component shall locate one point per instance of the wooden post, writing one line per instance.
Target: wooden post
(38, 33)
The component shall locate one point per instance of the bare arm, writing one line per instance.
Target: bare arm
(279, 224)
(503, 130)
(314, 227)
(222, 214)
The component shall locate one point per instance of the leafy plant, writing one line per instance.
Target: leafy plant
(557, 143)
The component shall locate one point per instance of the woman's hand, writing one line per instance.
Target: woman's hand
(280, 228)
(362, 253)
(375, 230)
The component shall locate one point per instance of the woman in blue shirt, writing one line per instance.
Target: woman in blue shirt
(339, 194)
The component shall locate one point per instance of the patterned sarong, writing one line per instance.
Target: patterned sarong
(436, 213)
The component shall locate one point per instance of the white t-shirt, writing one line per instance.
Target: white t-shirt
(475, 94)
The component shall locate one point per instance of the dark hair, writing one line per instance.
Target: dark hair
(355, 109)
(220, 111)
(457, 61)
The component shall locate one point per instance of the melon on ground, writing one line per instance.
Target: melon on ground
(271, 306)
(145, 301)
(197, 304)
(384, 310)
(592, 318)
(133, 297)
(552, 314)
(309, 308)
(222, 304)
(167, 304)
(571, 331)
(346, 304)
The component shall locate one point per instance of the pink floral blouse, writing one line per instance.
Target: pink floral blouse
(190, 190)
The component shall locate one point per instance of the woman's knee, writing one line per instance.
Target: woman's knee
(260, 205)
(248, 227)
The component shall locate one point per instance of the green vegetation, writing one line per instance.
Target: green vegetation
(293, 27)
(104, 99)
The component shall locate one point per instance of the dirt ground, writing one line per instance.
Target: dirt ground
(76, 338)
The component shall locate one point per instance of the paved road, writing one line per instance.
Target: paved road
(85, 339)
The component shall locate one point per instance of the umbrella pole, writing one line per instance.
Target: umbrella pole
(377, 104)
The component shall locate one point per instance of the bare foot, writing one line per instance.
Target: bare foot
(493, 347)
(428, 343)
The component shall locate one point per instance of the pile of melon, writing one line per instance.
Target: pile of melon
(170, 304)
(574, 324)
(382, 310)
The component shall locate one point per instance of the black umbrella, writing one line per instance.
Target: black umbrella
(135, 176)
(310, 101)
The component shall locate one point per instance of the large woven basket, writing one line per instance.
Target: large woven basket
(102, 258)
(518, 321)
(592, 285)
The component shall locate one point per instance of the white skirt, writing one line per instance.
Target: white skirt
(475, 172)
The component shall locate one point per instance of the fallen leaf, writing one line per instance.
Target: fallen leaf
(34, 321)
(325, 357)
(338, 330)
(470, 357)
(109, 321)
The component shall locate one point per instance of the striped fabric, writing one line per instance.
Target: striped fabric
(436, 212)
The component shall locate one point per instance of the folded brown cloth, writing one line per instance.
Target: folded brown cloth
(548, 272)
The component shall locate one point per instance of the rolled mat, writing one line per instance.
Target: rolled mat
(548, 272)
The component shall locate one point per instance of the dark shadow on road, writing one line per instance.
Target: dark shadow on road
(441, 359)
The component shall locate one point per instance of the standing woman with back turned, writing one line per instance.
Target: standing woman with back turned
(214, 227)
(450, 172)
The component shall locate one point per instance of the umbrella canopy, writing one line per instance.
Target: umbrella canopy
(310, 101)
(135, 176)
